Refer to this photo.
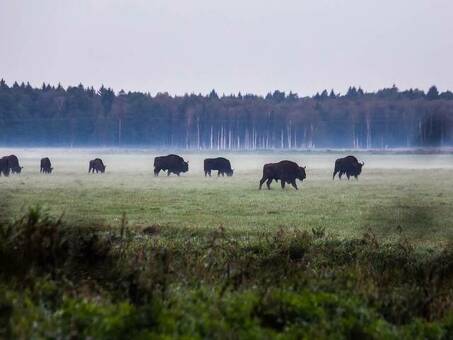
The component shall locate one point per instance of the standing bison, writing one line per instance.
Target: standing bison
(222, 165)
(170, 163)
(46, 166)
(13, 164)
(96, 165)
(348, 165)
(4, 167)
(285, 171)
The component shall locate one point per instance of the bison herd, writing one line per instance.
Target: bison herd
(287, 172)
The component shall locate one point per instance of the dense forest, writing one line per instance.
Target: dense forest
(83, 116)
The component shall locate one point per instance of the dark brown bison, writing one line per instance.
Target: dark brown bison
(4, 168)
(222, 165)
(170, 163)
(46, 166)
(285, 171)
(348, 165)
(13, 164)
(96, 165)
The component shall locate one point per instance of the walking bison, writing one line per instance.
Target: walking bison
(348, 165)
(46, 166)
(96, 165)
(170, 163)
(285, 171)
(222, 165)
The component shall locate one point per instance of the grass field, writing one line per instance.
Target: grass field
(407, 193)
(215, 258)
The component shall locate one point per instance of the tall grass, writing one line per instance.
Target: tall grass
(66, 281)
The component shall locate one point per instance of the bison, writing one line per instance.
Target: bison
(170, 163)
(4, 168)
(13, 164)
(285, 171)
(348, 165)
(96, 165)
(46, 166)
(222, 165)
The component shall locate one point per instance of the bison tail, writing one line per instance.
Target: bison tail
(334, 173)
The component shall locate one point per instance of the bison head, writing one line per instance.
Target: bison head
(301, 175)
(356, 169)
(103, 168)
(18, 169)
(229, 172)
(185, 166)
(359, 167)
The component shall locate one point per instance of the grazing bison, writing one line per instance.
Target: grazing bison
(96, 165)
(170, 163)
(13, 164)
(222, 165)
(46, 166)
(348, 165)
(285, 171)
(4, 168)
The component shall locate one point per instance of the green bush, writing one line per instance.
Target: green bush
(60, 281)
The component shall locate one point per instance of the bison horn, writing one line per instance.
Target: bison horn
(305, 167)
(363, 163)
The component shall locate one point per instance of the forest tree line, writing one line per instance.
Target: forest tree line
(82, 116)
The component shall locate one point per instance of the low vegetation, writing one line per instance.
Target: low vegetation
(61, 280)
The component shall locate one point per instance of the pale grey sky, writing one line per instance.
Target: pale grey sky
(231, 45)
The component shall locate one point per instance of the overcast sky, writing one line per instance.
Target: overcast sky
(252, 46)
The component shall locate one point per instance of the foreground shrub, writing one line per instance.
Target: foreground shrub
(60, 281)
(38, 242)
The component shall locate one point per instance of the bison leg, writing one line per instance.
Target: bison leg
(348, 175)
(293, 183)
(334, 173)
(268, 183)
(262, 181)
(282, 183)
(168, 172)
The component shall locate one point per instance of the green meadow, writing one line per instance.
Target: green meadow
(128, 255)
(396, 193)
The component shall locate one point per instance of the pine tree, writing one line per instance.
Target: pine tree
(433, 93)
